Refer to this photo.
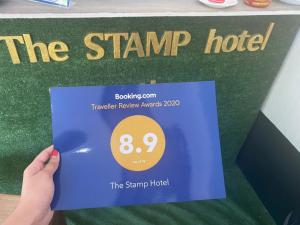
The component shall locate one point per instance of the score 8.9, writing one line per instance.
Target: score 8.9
(137, 143)
(126, 146)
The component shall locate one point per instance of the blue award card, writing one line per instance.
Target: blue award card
(136, 144)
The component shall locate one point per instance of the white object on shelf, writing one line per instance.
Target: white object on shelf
(292, 2)
(61, 3)
(219, 5)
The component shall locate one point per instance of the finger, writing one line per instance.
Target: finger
(45, 154)
(39, 162)
(53, 163)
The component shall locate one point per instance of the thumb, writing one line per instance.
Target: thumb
(53, 163)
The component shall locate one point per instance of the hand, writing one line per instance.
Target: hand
(37, 191)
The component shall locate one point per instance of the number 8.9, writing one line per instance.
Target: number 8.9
(126, 146)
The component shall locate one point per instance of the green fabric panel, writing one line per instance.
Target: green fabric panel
(242, 79)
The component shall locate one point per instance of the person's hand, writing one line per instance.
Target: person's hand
(38, 186)
(37, 191)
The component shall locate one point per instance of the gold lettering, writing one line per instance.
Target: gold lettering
(186, 38)
(99, 51)
(235, 41)
(242, 36)
(166, 41)
(56, 47)
(116, 42)
(254, 40)
(268, 34)
(9, 40)
(210, 41)
(31, 49)
(135, 40)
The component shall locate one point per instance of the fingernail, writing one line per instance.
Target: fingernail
(55, 152)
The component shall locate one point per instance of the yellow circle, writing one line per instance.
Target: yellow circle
(137, 143)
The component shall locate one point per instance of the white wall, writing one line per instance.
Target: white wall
(282, 106)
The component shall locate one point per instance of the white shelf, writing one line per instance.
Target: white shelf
(131, 8)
